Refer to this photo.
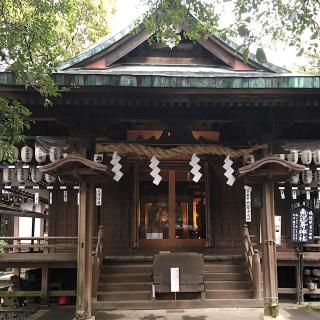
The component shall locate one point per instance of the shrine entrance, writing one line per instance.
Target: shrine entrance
(174, 213)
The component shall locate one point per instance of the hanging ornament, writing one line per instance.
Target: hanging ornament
(307, 177)
(116, 166)
(229, 171)
(40, 154)
(308, 193)
(282, 193)
(7, 175)
(98, 157)
(26, 154)
(294, 193)
(49, 179)
(54, 154)
(316, 177)
(293, 156)
(36, 175)
(295, 179)
(154, 162)
(22, 175)
(306, 157)
(248, 159)
(194, 163)
(316, 157)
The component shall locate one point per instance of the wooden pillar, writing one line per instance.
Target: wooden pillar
(172, 204)
(84, 261)
(44, 285)
(269, 261)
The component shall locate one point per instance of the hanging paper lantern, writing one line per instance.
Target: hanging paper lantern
(36, 175)
(49, 179)
(295, 179)
(307, 176)
(55, 154)
(40, 154)
(26, 154)
(306, 157)
(7, 175)
(316, 157)
(293, 156)
(22, 175)
(317, 177)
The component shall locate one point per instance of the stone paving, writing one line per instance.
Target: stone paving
(288, 311)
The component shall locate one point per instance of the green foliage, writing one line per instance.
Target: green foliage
(13, 122)
(35, 36)
(259, 22)
(168, 17)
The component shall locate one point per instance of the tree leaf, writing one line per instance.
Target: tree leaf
(261, 56)
(246, 55)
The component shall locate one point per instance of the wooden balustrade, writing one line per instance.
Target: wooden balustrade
(252, 260)
(97, 260)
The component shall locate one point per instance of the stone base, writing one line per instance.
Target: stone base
(279, 317)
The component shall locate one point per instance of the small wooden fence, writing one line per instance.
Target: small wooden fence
(45, 253)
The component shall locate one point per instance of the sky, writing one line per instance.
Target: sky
(129, 10)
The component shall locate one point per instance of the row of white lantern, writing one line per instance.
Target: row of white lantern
(306, 156)
(307, 177)
(40, 154)
(21, 176)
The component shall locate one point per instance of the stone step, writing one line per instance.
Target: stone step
(124, 295)
(227, 285)
(178, 304)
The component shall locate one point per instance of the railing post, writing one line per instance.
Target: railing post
(245, 230)
(256, 275)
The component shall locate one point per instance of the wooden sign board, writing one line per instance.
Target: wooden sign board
(302, 224)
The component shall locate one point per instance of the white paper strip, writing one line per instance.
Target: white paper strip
(36, 198)
(65, 196)
(98, 196)
(277, 223)
(248, 202)
(174, 279)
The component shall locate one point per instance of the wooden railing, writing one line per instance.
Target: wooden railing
(39, 244)
(252, 260)
(97, 260)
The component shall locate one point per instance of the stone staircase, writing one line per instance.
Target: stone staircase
(127, 284)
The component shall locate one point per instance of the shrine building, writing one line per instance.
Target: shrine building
(165, 178)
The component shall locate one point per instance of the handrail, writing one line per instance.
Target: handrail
(97, 260)
(252, 260)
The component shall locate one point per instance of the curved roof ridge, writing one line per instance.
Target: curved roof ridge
(111, 39)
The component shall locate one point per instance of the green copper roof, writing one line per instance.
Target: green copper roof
(78, 78)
